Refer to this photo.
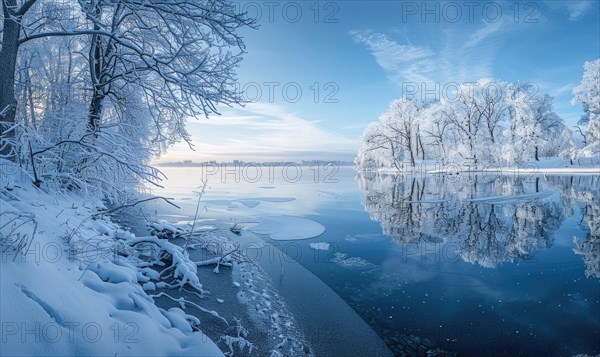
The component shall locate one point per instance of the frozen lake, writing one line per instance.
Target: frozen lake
(472, 264)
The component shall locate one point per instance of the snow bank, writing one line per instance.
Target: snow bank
(288, 228)
(548, 166)
(74, 292)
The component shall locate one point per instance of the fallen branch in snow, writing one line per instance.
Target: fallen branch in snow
(185, 269)
(168, 200)
(218, 260)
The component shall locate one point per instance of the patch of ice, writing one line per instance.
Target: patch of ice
(352, 263)
(275, 199)
(319, 246)
(367, 237)
(288, 228)
(328, 194)
(250, 203)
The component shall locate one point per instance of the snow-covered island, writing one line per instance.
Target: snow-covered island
(487, 126)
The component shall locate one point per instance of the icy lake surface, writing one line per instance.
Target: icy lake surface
(474, 264)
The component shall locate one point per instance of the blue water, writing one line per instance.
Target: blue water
(474, 265)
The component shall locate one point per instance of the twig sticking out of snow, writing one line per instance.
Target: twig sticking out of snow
(203, 187)
(18, 241)
(240, 342)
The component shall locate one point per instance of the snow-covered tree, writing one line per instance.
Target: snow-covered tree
(567, 149)
(588, 94)
(393, 138)
(534, 125)
(439, 135)
(400, 122)
(477, 115)
(177, 53)
(92, 90)
(481, 123)
(376, 150)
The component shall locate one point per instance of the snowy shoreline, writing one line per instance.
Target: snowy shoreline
(72, 284)
(81, 288)
(546, 166)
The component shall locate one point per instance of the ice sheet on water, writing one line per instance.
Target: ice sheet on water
(269, 312)
(288, 228)
(352, 263)
(328, 194)
(319, 246)
(275, 199)
(252, 202)
(367, 237)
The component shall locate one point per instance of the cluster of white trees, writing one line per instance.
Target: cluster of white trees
(485, 122)
(90, 90)
(588, 94)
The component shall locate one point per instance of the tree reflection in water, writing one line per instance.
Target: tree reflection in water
(490, 219)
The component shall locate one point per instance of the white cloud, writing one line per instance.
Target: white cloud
(488, 29)
(578, 9)
(389, 54)
(466, 56)
(261, 132)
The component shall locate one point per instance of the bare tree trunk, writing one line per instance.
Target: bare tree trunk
(412, 158)
(536, 154)
(96, 65)
(8, 62)
(95, 111)
(422, 148)
(409, 147)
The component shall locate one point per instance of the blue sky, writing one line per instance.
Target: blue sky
(316, 73)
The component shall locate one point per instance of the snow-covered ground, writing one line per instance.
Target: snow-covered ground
(74, 283)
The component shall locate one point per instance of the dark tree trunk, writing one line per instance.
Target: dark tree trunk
(536, 154)
(8, 63)
(95, 111)
(409, 146)
(422, 148)
(96, 67)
